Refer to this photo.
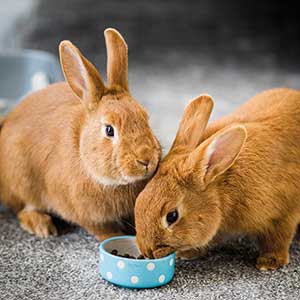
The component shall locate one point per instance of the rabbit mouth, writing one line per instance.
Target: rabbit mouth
(131, 179)
(123, 180)
(126, 179)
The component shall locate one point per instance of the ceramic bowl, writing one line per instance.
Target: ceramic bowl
(133, 273)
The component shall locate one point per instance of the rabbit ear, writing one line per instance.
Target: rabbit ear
(82, 76)
(217, 154)
(193, 122)
(117, 59)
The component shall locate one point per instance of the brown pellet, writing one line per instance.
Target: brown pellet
(126, 255)
(114, 252)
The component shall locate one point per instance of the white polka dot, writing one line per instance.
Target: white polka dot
(161, 278)
(171, 262)
(121, 264)
(150, 266)
(109, 275)
(101, 257)
(134, 279)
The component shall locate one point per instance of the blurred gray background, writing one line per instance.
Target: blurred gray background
(178, 49)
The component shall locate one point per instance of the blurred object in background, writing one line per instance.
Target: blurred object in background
(39, 80)
(177, 49)
(12, 13)
(24, 71)
(3, 104)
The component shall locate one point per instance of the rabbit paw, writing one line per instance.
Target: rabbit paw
(103, 231)
(271, 261)
(162, 252)
(191, 254)
(103, 236)
(37, 223)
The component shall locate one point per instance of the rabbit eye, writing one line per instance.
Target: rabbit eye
(109, 131)
(172, 217)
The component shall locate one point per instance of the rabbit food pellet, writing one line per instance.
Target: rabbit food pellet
(126, 255)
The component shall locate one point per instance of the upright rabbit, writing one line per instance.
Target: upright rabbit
(241, 175)
(81, 150)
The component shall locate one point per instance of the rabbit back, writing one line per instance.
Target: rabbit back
(263, 183)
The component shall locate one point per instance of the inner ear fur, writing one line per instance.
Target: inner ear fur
(81, 75)
(217, 154)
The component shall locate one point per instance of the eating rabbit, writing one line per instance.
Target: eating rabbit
(79, 149)
(239, 175)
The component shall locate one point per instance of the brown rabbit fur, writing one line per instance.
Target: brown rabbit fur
(240, 175)
(57, 155)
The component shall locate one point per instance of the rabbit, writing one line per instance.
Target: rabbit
(240, 175)
(78, 149)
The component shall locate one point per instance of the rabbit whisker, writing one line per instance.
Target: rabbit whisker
(129, 224)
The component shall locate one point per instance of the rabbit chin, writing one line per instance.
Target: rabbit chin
(124, 180)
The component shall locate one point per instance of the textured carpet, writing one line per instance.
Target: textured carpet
(66, 267)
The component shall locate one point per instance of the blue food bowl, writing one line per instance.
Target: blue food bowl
(133, 273)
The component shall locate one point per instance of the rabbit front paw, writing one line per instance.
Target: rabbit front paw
(104, 231)
(103, 236)
(37, 223)
(271, 261)
(191, 254)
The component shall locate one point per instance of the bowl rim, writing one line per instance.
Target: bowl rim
(102, 249)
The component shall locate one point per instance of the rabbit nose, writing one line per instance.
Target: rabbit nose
(143, 162)
(144, 156)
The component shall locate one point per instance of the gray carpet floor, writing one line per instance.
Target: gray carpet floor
(66, 267)
(231, 67)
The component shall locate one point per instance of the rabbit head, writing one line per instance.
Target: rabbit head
(181, 207)
(117, 145)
